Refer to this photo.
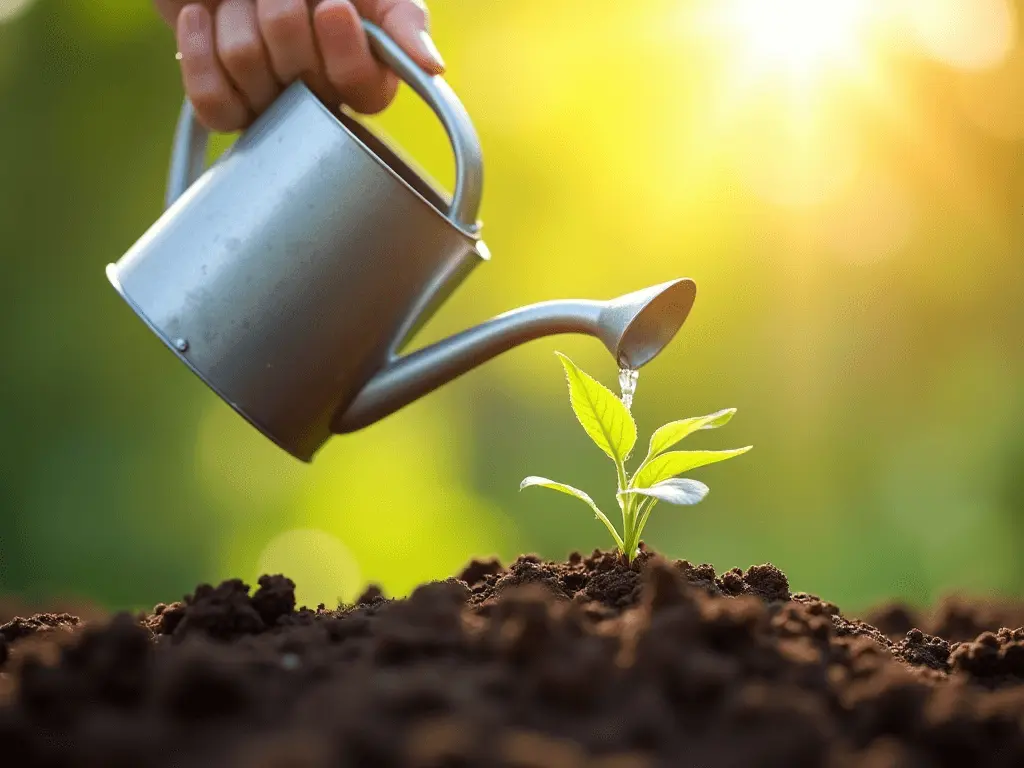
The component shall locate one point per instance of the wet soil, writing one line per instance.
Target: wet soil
(533, 665)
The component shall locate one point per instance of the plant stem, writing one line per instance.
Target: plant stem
(643, 520)
(640, 510)
(620, 471)
(630, 534)
(625, 505)
(628, 519)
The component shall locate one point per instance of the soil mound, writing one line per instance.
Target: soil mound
(534, 665)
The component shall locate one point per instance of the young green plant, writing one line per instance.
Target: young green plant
(609, 423)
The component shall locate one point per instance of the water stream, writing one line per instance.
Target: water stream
(627, 383)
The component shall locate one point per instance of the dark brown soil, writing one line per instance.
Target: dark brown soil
(560, 665)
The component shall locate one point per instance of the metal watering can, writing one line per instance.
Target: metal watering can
(291, 274)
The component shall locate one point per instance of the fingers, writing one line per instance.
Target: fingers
(287, 31)
(236, 55)
(242, 54)
(218, 106)
(361, 81)
(407, 22)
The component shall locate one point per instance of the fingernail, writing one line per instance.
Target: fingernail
(194, 25)
(430, 49)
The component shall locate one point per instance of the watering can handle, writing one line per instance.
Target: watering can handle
(188, 157)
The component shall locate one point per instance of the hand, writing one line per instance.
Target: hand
(237, 55)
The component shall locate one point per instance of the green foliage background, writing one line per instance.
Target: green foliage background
(870, 335)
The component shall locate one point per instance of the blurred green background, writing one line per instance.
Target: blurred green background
(843, 180)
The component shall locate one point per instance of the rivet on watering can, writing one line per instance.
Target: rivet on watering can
(181, 345)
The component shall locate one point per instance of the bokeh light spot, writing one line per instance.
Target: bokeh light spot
(398, 497)
(12, 9)
(967, 34)
(322, 567)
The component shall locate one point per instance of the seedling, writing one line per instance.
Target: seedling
(610, 425)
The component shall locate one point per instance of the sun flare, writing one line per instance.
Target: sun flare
(797, 38)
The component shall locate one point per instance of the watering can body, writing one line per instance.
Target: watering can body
(292, 273)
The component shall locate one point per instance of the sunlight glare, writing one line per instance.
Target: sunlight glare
(966, 34)
(799, 38)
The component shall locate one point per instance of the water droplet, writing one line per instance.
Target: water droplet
(627, 383)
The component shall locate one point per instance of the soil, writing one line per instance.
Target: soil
(533, 665)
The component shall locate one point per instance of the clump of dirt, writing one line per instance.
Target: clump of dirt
(538, 664)
(18, 628)
(956, 618)
(994, 657)
(84, 610)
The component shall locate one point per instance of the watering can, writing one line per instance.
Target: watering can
(292, 273)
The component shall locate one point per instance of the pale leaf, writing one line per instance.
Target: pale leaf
(679, 491)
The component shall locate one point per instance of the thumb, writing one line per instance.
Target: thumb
(407, 23)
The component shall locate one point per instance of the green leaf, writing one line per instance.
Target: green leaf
(676, 462)
(602, 414)
(670, 434)
(679, 491)
(543, 482)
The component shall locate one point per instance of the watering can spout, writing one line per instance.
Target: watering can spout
(634, 328)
